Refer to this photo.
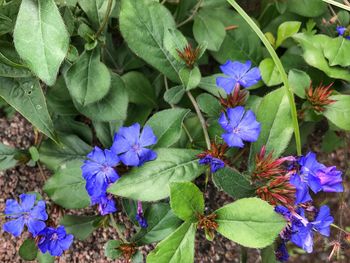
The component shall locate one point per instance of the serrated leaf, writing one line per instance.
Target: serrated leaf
(143, 24)
(26, 96)
(286, 30)
(139, 89)
(71, 147)
(209, 30)
(161, 223)
(250, 222)
(338, 112)
(112, 107)
(166, 125)
(28, 250)
(151, 181)
(233, 183)
(80, 226)
(178, 247)
(41, 38)
(88, 79)
(67, 186)
(186, 200)
(276, 124)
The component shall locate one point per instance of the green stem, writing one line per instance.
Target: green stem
(335, 3)
(194, 12)
(280, 68)
(119, 232)
(339, 228)
(105, 19)
(201, 119)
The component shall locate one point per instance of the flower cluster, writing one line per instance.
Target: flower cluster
(319, 97)
(32, 214)
(100, 168)
(239, 124)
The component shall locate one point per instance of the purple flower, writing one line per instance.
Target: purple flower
(282, 252)
(240, 126)
(238, 73)
(139, 216)
(25, 213)
(342, 31)
(330, 179)
(106, 204)
(302, 194)
(54, 240)
(302, 236)
(130, 145)
(99, 172)
(215, 163)
(323, 221)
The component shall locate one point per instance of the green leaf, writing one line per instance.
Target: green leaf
(71, 147)
(34, 153)
(186, 200)
(88, 79)
(178, 247)
(10, 64)
(286, 30)
(209, 30)
(337, 51)
(95, 11)
(151, 181)
(41, 38)
(67, 186)
(338, 113)
(269, 72)
(250, 222)
(190, 78)
(209, 104)
(45, 258)
(174, 41)
(28, 250)
(80, 226)
(331, 141)
(111, 249)
(209, 84)
(268, 255)
(276, 124)
(7, 157)
(143, 24)
(233, 183)
(313, 55)
(174, 94)
(166, 125)
(139, 89)
(112, 107)
(26, 96)
(161, 223)
(308, 8)
(299, 81)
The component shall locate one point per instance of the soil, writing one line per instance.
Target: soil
(19, 133)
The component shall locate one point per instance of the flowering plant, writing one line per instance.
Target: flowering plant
(144, 109)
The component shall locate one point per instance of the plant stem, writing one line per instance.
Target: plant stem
(194, 12)
(105, 19)
(201, 119)
(339, 228)
(280, 68)
(335, 3)
(119, 232)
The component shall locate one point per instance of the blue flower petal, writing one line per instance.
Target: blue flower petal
(146, 155)
(147, 137)
(15, 227)
(27, 201)
(39, 211)
(12, 208)
(233, 140)
(120, 144)
(35, 226)
(226, 83)
(130, 158)
(131, 134)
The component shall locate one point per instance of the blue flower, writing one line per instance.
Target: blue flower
(25, 213)
(239, 126)
(139, 216)
(302, 194)
(106, 204)
(302, 236)
(282, 252)
(56, 241)
(323, 221)
(330, 179)
(130, 145)
(215, 163)
(342, 31)
(99, 172)
(238, 73)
